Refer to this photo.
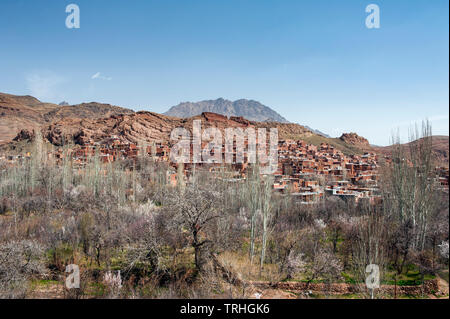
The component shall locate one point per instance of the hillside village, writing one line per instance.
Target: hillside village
(208, 157)
(306, 172)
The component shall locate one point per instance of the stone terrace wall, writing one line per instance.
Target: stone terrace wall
(429, 287)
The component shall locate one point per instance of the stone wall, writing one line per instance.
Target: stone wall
(429, 287)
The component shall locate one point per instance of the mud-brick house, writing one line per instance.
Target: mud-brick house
(350, 168)
(295, 184)
(280, 187)
(443, 181)
(106, 158)
(308, 197)
(311, 184)
(172, 178)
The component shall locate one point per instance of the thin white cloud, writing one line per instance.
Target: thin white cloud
(101, 77)
(44, 84)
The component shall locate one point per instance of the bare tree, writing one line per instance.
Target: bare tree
(267, 215)
(195, 209)
(19, 261)
(259, 199)
(369, 244)
(410, 186)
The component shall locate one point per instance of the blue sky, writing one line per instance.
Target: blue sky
(312, 61)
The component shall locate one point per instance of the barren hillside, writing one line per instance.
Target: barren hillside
(27, 112)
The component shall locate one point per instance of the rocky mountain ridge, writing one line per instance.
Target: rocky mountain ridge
(249, 109)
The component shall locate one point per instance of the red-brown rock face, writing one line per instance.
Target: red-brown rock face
(147, 127)
(354, 139)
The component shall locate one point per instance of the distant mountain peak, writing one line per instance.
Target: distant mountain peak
(249, 109)
(317, 132)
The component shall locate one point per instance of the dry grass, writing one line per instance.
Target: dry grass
(241, 265)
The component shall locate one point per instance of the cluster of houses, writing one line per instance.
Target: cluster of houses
(304, 171)
(112, 149)
(308, 172)
(443, 177)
